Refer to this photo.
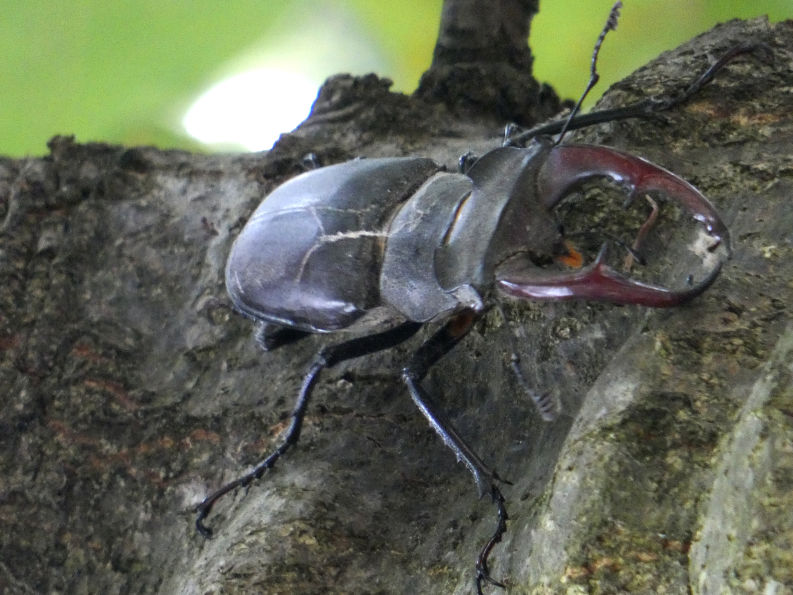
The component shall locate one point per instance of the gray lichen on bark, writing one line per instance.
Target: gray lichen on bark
(130, 389)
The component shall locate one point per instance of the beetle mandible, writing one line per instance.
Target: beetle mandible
(382, 247)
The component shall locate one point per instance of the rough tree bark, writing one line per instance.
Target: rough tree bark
(129, 389)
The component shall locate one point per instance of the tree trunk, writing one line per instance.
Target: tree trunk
(482, 63)
(130, 389)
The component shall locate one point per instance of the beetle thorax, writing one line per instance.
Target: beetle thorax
(445, 242)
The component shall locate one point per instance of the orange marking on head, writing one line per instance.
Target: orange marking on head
(573, 258)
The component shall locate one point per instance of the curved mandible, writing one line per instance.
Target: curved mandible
(599, 282)
(568, 166)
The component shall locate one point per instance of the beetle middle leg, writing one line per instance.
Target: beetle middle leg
(327, 357)
(425, 357)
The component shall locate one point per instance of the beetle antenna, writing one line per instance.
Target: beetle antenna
(594, 77)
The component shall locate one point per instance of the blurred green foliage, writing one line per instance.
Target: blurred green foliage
(126, 71)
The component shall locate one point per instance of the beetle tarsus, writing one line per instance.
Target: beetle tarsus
(547, 406)
(707, 76)
(482, 570)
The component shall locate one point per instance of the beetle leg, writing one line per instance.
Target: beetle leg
(649, 107)
(425, 357)
(326, 358)
(547, 406)
(634, 252)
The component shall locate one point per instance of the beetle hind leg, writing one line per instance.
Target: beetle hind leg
(425, 357)
(290, 439)
(326, 358)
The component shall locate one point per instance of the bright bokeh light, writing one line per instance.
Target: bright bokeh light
(236, 112)
(269, 88)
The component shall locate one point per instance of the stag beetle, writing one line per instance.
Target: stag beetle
(382, 247)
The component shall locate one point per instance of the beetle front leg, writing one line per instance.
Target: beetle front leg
(425, 357)
(649, 107)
